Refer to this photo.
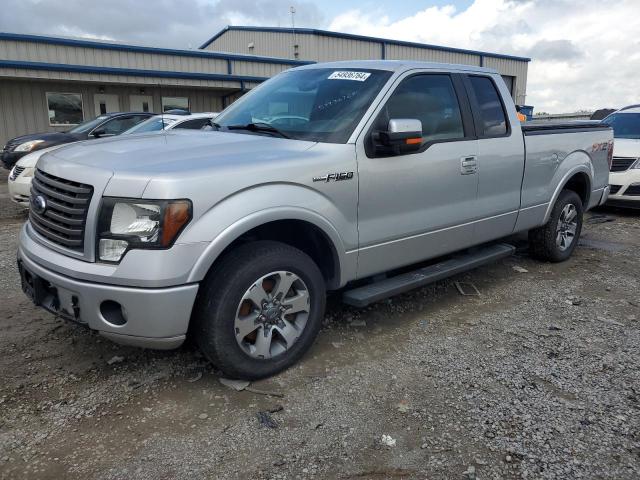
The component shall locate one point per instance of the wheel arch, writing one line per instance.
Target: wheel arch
(579, 179)
(298, 227)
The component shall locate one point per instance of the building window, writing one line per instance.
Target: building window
(175, 103)
(64, 108)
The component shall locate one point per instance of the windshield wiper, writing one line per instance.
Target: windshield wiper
(259, 127)
(215, 125)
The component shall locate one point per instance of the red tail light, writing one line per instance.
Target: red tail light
(610, 154)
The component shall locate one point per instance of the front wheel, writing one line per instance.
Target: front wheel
(259, 310)
(556, 241)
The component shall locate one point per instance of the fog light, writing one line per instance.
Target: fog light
(111, 250)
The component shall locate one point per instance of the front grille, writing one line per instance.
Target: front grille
(633, 190)
(620, 164)
(15, 173)
(613, 189)
(64, 218)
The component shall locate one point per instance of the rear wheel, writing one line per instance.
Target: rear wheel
(556, 241)
(259, 310)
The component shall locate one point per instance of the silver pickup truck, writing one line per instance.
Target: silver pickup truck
(372, 177)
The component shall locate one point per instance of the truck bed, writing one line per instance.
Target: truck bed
(552, 151)
(539, 127)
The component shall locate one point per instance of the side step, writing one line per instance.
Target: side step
(367, 294)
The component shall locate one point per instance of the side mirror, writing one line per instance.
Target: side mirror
(101, 132)
(403, 135)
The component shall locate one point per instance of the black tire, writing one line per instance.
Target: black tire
(220, 296)
(542, 241)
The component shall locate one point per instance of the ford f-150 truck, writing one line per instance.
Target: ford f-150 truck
(372, 177)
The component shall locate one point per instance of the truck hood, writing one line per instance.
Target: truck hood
(167, 164)
(178, 152)
(626, 147)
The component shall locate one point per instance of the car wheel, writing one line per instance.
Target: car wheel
(556, 241)
(259, 310)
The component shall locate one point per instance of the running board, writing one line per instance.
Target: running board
(367, 294)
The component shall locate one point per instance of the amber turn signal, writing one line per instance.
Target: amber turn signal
(413, 141)
(176, 215)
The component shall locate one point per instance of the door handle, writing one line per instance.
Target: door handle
(468, 165)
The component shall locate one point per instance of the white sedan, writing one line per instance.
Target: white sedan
(624, 179)
(194, 121)
(22, 173)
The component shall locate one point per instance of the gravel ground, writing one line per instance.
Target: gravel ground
(537, 377)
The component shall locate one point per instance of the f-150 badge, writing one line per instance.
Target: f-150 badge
(334, 177)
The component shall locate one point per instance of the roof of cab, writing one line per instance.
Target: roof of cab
(397, 66)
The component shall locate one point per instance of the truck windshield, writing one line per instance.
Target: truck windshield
(625, 125)
(321, 104)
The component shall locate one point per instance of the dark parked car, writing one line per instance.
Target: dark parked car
(106, 125)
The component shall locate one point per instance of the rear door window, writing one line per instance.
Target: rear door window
(491, 120)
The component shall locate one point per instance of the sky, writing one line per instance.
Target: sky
(585, 53)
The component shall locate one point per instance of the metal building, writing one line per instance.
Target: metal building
(323, 46)
(52, 83)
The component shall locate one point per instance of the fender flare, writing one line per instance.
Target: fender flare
(585, 168)
(261, 217)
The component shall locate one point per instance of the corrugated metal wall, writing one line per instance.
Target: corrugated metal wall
(514, 69)
(265, 43)
(23, 104)
(75, 55)
(331, 48)
(401, 52)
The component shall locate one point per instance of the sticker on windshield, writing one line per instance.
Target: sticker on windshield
(346, 75)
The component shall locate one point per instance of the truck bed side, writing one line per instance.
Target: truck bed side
(554, 154)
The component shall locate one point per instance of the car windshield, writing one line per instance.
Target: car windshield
(319, 104)
(152, 124)
(84, 127)
(625, 125)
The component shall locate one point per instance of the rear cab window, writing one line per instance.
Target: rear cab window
(489, 112)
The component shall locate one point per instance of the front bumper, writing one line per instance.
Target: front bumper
(144, 317)
(20, 190)
(625, 188)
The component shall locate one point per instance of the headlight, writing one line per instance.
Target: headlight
(28, 146)
(28, 172)
(637, 164)
(126, 224)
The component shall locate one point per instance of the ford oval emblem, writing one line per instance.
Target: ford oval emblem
(39, 204)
